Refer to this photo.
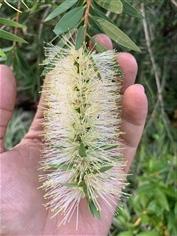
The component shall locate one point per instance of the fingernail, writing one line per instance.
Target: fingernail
(139, 87)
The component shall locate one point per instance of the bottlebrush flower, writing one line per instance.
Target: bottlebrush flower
(81, 153)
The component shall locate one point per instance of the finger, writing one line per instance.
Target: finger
(135, 108)
(35, 130)
(126, 61)
(129, 67)
(7, 100)
(102, 39)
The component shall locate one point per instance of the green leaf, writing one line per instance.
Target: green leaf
(80, 37)
(162, 199)
(149, 233)
(12, 23)
(71, 185)
(82, 150)
(154, 208)
(12, 37)
(62, 41)
(97, 12)
(2, 54)
(109, 146)
(146, 187)
(69, 20)
(144, 199)
(175, 210)
(126, 233)
(93, 209)
(172, 223)
(105, 168)
(63, 166)
(67, 4)
(169, 191)
(116, 34)
(115, 6)
(130, 10)
(145, 219)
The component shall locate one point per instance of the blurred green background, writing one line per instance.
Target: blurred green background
(151, 207)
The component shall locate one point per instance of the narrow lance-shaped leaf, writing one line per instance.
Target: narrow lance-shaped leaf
(109, 146)
(130, 10)
(82, 150)
(98, 12)
(63, 166)
(67, 4)
(115, 6)
(80, 37)
(93, 209)
(69, 20)
(65, 36)
(12, 23)
(12, 37)
(116, 34)
(162, 199)
(105, 168)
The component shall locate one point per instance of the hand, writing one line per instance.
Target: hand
(21, 207)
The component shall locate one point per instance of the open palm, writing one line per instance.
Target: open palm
(21, 202)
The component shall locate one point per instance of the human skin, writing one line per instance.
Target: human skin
(21, 202)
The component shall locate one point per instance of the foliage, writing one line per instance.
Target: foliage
(18, 127)
(31, 21)
(151, 207)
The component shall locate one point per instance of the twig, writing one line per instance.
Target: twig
(86, 15)
(12, 6)
(42, 21)
(17, 20)
(157, 78)
(154, 66)
(153, 113)
(24, 4)
(174, 2)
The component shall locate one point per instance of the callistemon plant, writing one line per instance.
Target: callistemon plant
(81, 157)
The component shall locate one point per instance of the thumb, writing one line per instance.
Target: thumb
(7, 100)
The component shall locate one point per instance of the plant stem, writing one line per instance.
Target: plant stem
(157, 76)
(17, 20)
(174, 2)
(86, 15)
(12, 6)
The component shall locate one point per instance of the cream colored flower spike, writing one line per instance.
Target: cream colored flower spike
(81, 153)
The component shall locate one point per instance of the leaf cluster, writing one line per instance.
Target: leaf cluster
(91, 17)
(25, 26)
(152, 208)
